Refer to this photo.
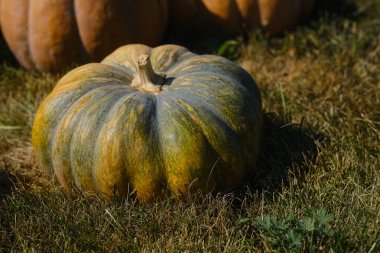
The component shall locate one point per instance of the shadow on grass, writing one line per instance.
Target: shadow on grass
(10, 181)
(285, 148)
(6, 56)
(7, 183)
(338, 8)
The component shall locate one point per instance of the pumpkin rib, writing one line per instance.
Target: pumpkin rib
(103, 73)
(181, 172)
(27, 37)
(189, 62)
(51, 104)
(205, 85)
(216, 63)
(171, 55)
(14, 23)
(90, 121)
(223, 130)
(130, 175)
(214, 74)
(63, 117)
(253, 107)
(113, 111)
(160, 153)
(54, 37)
(82, 86)
(144, 162)
(211, 109)
(253, 110)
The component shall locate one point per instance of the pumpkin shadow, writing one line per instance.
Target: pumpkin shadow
(10, 181)
(285, 149)
(7, 183)
(6, 56)
(337, 8)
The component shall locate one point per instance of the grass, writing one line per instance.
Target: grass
(317, 183)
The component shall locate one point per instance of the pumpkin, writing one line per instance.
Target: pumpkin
(150, 120)
(279, 15)
(219, 17)
(50, 35)
(235, 16)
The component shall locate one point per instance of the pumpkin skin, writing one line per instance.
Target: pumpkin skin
(279, 15)
(228, 17)
(50, 35)
(216, 17)
(100, 130)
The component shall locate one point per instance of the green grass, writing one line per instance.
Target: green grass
(317, 182)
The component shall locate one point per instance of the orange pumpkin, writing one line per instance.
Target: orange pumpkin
(50, 35)
(234, 16)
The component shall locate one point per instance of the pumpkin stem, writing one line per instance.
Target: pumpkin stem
(147, 80)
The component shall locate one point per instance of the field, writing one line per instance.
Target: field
(316, 187)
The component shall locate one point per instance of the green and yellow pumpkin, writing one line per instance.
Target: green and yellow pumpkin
(151, 120)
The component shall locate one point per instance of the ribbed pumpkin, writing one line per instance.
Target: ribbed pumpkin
(151, 120)
(234, 16)
(48, 35)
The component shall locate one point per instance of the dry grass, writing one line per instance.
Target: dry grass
(317, 183)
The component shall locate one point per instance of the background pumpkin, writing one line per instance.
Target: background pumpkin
(119, 125)
(228, 17)
(49, 35)
(279, 15)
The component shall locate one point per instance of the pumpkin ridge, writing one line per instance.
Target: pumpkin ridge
(108, 115)
(204, 84)
(214, 74)
(227, 78)
(60, 46)
(46, 158)
(164, 181)
(184, 107)
(207, 106)
(196, 117)
(27, 38)
(161, 155)
(189, 60)
(80, 151)
(177, 177)
(84, 69)
(194, 65)
(16, 38)
(114, 110)
(165, 56)
(62, 118)
(144, 162)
